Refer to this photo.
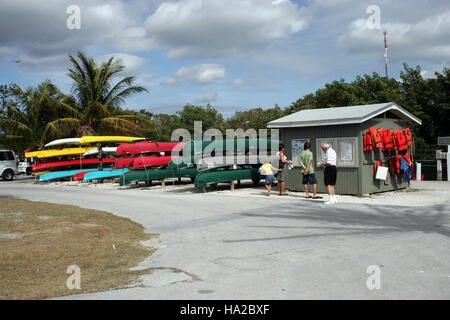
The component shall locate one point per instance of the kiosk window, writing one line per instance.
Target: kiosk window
(346, 151)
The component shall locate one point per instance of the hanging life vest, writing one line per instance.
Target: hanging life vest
(394, 140)
(392, 166)
(376, 138)
(401, 140)
(368, 143)
(380, 132)
(407, 158)
(387, 142)
(377, 164)
(398, 162)
(408, 136)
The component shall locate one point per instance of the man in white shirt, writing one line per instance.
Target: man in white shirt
(329, 162)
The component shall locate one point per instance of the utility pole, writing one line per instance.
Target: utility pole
(385, 54)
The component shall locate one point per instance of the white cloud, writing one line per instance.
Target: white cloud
(210, 28)
(131, 63)
(201, 74)
(238, 82)
(37, 29)
(208, 98)
(426, 39)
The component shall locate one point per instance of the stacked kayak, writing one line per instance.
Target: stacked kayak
(149, 175)
(83, 163)
(220, 175)
(63, 164)
(124, 163)
(109, 139)
(143, 162)
(60, 175)
(148, 147)
(105, 174)
(57, 153)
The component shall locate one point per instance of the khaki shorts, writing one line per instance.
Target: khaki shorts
(281, 176)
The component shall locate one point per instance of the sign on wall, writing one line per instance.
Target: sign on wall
(297, 150)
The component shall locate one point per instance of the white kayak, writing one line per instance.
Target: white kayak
(104, 150)
(63, 141)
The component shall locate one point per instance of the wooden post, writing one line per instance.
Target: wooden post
(163, 183)
(232, 186)
(439, 170)
(448, 162)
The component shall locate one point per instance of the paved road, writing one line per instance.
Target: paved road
(257, 247)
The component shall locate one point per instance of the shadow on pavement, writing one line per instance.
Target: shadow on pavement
(349, 219)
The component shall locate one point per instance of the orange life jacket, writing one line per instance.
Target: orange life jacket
(387, 142)
(377, 164)
(394, 140)
(392, 166)
(376, 138)
(407, 158)
(368, 143)
(401, 140)
(397, 163)
(408, 136)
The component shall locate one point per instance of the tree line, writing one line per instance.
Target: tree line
(31, 117)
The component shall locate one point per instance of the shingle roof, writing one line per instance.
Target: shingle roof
(340, 115)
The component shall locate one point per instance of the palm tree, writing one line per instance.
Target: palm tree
(97, 100)
(26, 122)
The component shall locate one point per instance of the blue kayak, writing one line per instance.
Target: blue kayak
(60, 174)
(104, 174)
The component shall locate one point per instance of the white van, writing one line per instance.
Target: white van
(8, 164)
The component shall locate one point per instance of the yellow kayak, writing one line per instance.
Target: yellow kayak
(40, 173)
(96, 139)
(57, 152)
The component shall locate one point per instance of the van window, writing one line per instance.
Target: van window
(6, 156)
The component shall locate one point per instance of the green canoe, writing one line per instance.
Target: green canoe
(158, 174)
(226, 174)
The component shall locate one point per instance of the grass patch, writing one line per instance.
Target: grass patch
(40, 240)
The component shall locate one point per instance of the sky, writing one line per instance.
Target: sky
(232, 54)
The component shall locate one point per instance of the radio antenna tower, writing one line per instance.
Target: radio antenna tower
(385, 54)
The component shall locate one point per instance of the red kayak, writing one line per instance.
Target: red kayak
(80, 175)
(124, 163)
(142, 147)
(141, 162)
(85, 163)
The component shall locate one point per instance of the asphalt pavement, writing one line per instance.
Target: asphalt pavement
(219, 245)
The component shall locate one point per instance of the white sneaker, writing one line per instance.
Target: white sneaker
(335, 200)
(329, 202)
